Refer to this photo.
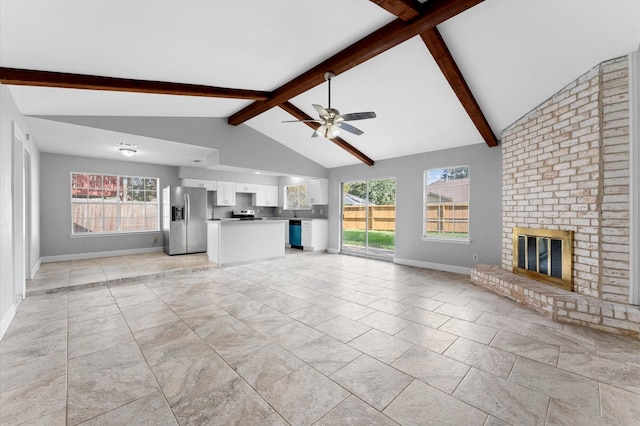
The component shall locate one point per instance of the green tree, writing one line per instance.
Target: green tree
(381, 191)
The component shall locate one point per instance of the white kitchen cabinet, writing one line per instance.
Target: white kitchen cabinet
(315, 234)
(246, 187)
(225, 194)
(318, 191)
(209, 185)
(265, 196)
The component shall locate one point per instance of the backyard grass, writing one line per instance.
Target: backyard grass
(377, 239)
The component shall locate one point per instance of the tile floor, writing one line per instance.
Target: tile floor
(311, 339)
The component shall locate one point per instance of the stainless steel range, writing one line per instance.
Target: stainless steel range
(248, 214)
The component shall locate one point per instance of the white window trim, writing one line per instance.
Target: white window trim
(424, 213)
(114, 233)
(634, 172)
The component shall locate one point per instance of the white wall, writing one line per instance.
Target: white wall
(485, 206)
(12, 276)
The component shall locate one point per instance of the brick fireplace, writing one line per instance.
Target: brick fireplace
(565, 167)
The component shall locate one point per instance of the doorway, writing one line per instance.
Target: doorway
(369, 217)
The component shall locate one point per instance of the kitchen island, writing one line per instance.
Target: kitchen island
(234, 241)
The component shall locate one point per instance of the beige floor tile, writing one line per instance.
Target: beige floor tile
(306, 388)
(374, 382)
(231, 338)
(561, 385)
(430, 338)
(505, 323)
(620, 405)
(102, 381)
(562, 414)
(352, 310)
(293, 335)
(33, 401)
(199, 386)
(428, 318)
(151, 410)
(231, 403)
(460, 312)
(421, 404)
(381, 346)
(33, 370)
(342, 328)
(90, 343)
(390, 306)
(439, 371)
(469, 330)
(616, 372)
(507, 401)
(312, 315)
(326, 354)
(527, 347)
(268, 319)
(383, 321)
(353, 411)
(264, 366)
(483, 357)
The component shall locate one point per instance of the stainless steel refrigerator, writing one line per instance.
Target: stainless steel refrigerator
(184, 229)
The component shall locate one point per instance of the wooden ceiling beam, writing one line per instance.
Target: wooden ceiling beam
(24, 77)
(391, 35)
(440, 52)
(301, 115)
(403, 9)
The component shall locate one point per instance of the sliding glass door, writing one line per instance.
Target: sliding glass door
(369, 217)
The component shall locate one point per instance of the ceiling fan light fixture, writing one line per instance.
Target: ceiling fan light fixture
(333, 131)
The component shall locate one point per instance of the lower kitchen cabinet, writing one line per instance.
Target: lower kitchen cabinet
(315, 234)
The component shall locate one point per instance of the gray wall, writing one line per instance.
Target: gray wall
(240, 146)
(19, 250)
(55, 220)
(485, 205)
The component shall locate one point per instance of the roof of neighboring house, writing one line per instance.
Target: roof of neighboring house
(447, 189)
(350, 199)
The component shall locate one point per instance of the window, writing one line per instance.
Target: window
(446, 199)
(295, 197)
(112, 204)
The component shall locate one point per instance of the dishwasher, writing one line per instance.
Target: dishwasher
(295, 233)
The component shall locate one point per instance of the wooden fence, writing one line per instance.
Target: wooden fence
(445, 217)
(103, 217)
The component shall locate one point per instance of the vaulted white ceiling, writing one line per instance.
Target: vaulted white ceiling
(513, 54)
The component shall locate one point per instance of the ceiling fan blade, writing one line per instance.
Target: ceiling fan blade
(300, 121)
(349, 128)
(321, 110)
(358, 116)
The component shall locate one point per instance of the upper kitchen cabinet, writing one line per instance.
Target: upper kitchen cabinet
(265, 196)
(209, 185)
(318, 191)
(225, 194)
(246, 187)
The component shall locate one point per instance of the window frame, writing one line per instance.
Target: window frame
(118, 203)
(298, 206)
(425, 205)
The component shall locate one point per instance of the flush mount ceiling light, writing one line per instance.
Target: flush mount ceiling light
(128, 152)
(127, 149)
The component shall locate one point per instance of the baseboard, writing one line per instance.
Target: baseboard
(435, 266)
(35, 268)
(96, 254)
(6, 320)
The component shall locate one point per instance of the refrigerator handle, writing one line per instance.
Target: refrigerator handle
(187, 204)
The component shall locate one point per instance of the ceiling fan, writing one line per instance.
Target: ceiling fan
(331, 121)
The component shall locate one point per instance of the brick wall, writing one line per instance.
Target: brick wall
(566, 166)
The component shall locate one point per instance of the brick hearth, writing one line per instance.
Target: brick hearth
(558, 304)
